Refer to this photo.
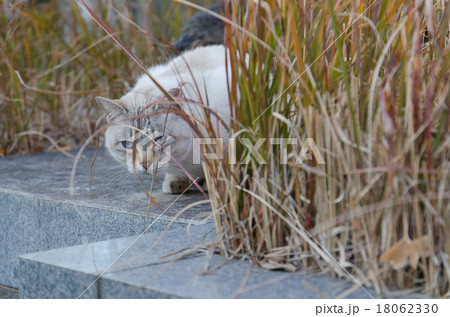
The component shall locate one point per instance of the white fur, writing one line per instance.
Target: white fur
(202, 69)
(202, 77)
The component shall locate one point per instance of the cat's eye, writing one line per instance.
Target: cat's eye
(127, 144)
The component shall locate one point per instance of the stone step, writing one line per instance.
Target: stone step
(145, 267)
(37, 212)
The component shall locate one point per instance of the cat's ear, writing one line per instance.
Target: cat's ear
(112, 108)
(174, 92)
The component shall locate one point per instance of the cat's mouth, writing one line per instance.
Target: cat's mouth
(146, 167)
(138, 169)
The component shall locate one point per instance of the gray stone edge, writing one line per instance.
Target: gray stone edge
(160, 216)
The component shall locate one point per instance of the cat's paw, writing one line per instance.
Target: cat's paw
(202, 183)
(174, 184)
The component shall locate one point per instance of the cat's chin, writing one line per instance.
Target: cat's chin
(142, 171)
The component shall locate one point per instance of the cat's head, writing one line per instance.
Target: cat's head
(143, 135)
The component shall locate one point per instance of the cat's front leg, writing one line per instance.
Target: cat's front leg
(174, 184)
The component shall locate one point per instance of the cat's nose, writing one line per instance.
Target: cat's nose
(144, 165)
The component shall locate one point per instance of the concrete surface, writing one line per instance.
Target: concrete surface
(38, 213)
(149, 270)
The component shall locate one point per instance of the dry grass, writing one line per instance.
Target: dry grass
(65, 59)
(375, 101)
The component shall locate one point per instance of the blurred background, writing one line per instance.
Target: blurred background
(54, 59)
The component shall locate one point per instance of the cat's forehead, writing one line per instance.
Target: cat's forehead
(143, 130)
(137, 98)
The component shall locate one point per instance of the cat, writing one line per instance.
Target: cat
(202, 29)
(196, 76)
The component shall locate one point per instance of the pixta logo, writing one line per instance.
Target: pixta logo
(308, 150)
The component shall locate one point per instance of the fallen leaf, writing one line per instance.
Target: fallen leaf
(203, 214)
(407, 250)
(273, 265)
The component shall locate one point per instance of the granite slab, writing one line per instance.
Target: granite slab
(38, 213)
(150, 267)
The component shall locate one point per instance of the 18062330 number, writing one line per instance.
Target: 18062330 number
(407, 308)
